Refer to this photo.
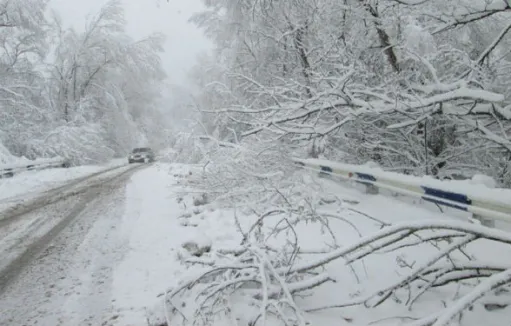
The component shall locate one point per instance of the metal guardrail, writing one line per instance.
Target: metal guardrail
(9, 170)
(486, 205)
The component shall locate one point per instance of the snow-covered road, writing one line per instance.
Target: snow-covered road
(57, 260)
(99, 255)
(104, 250)
(28, 184)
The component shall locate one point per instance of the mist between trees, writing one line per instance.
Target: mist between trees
(87, 96)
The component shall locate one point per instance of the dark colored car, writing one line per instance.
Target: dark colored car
(141, 155)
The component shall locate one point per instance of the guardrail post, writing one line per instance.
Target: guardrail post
(371, 189)
(484, 221)
(325, 171)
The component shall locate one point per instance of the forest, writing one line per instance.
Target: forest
(87, 96)
(417, 86)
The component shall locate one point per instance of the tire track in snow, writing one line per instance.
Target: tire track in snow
(14, 267)
(21, 205)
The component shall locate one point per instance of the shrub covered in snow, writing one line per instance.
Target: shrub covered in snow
(282, 274)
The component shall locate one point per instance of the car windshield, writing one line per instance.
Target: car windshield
(141, 150)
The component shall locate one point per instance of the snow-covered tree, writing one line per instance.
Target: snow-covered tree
(428, 90)
(105, 84)
(419, 86)
(86, 95)
(23, 45)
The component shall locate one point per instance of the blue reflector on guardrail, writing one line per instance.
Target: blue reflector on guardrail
(325, 169)
(451, 196)
(365, 176)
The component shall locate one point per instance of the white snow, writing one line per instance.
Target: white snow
(504, 112)
(154, 228)
(30, 182)
(158, 221)
(479, 291)
(471, 188)
(154, 236)
(143, 256)
(418, 40)
(5, 156)
(484, 180)
(22, 162)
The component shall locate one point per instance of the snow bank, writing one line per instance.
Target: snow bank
(157, 203)
(159, 243)
(22, 163)
(484, 180)
(354, 216)
(31, 182)
(7, 158)
(153, 235)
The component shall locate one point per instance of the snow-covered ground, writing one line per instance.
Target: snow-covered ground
(151, 228)
(31, 182)
(129, 246)
(164, 227)
(6, 157)
(188, 217)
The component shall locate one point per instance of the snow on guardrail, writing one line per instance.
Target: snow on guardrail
(9, 170)
(481, 201)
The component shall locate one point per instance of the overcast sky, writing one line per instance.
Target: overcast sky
(184, 40)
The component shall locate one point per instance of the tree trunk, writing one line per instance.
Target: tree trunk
(304, 60)
(384, 37)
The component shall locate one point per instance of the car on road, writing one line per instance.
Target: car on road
(141, 155)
